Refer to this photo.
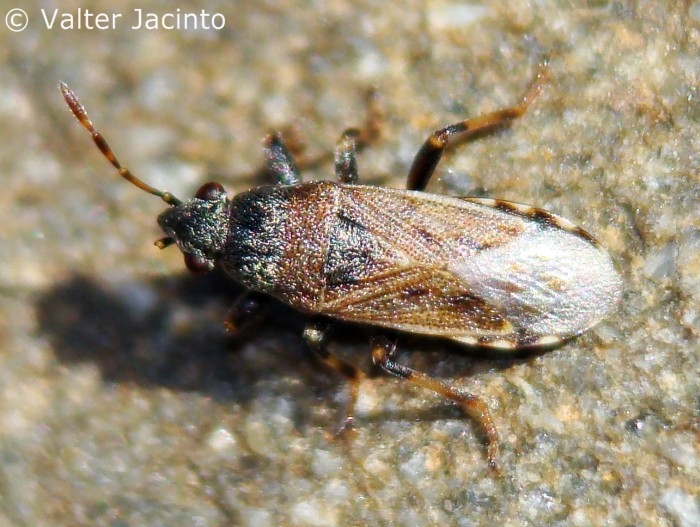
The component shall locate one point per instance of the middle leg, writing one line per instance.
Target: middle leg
(354, 139)
(316, 337)
(280, 162)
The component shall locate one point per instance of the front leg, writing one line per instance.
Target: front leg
(247, 311)
(382, 354)
(280, 162)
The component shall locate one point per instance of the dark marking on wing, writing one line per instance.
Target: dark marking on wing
(353, 253)
(578, 231)
(543, 218)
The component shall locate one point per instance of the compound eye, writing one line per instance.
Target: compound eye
(198, 264)
(211, 191)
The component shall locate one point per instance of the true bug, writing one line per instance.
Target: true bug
(483, 272)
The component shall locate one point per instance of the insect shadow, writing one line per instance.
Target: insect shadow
(87, 321)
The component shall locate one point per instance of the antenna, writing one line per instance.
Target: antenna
(82, 116)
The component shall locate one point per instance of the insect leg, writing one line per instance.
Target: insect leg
(356, 139)
(382, 353)
(315, 335)
(345, 158)
(371, 129)
(280, 162)
(430, 153)
(248, 309)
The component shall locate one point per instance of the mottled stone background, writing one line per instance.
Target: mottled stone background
(122, 400)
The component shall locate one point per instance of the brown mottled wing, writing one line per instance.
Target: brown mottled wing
(421, 300)
(387, 261)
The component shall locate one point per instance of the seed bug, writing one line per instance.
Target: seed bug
(482, 272)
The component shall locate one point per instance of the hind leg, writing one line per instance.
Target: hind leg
(382, 354)
(430, 153)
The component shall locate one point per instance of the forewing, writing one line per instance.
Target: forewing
(388, 256)
(418, 299)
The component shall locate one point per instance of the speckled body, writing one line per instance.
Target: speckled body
(480, 271)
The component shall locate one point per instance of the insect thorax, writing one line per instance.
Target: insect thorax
(278, 240)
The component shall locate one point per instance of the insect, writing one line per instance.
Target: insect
(482, 272)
